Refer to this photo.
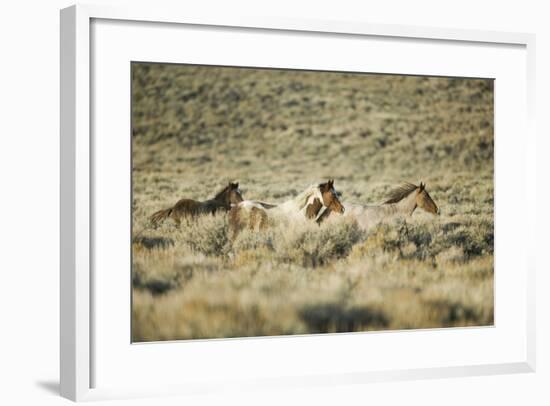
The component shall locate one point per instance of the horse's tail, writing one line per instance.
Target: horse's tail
(160, 215)
(266, 205)
(154, 219)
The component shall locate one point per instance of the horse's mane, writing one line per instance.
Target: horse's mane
(400, 192)
(303, 197)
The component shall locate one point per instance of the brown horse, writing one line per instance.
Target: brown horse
(255, 214)
(188, 208)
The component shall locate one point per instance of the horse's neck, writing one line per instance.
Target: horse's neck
(221, 201)
(404, 207)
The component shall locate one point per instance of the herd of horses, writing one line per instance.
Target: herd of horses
(318, 202)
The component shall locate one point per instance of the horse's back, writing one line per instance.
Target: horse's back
(190, 207)
(186, 207)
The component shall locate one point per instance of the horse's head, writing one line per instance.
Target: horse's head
(230, 195)
(233, 194)
(424, 200)
(330, 197)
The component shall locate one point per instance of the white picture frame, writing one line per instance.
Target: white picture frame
(77, 323)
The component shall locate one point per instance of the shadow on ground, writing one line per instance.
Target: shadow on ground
(335, 317)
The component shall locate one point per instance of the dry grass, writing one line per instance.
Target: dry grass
(276, 132)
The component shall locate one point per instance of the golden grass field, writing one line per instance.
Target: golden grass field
(276, 132)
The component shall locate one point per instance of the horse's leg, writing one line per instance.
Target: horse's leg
(252, 218)
(263, 220)
(234, 230)
(257, 217)
(235, 223)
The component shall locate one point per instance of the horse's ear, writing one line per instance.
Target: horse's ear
(237, 185)
(422, 186)
(331, 182)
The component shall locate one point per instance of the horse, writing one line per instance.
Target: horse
(306, 205)
(188, 208)
(401, 201)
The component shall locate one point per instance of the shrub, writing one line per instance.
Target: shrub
(207, 235)
(423, 241)
(253, 240)
(319, 245)
(155, 283)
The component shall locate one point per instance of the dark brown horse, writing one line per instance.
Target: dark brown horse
(188, 208)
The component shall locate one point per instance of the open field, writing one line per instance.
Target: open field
(275, 132)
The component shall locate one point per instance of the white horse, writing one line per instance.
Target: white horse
(402, 201)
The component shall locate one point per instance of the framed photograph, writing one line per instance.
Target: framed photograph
(263, 203)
